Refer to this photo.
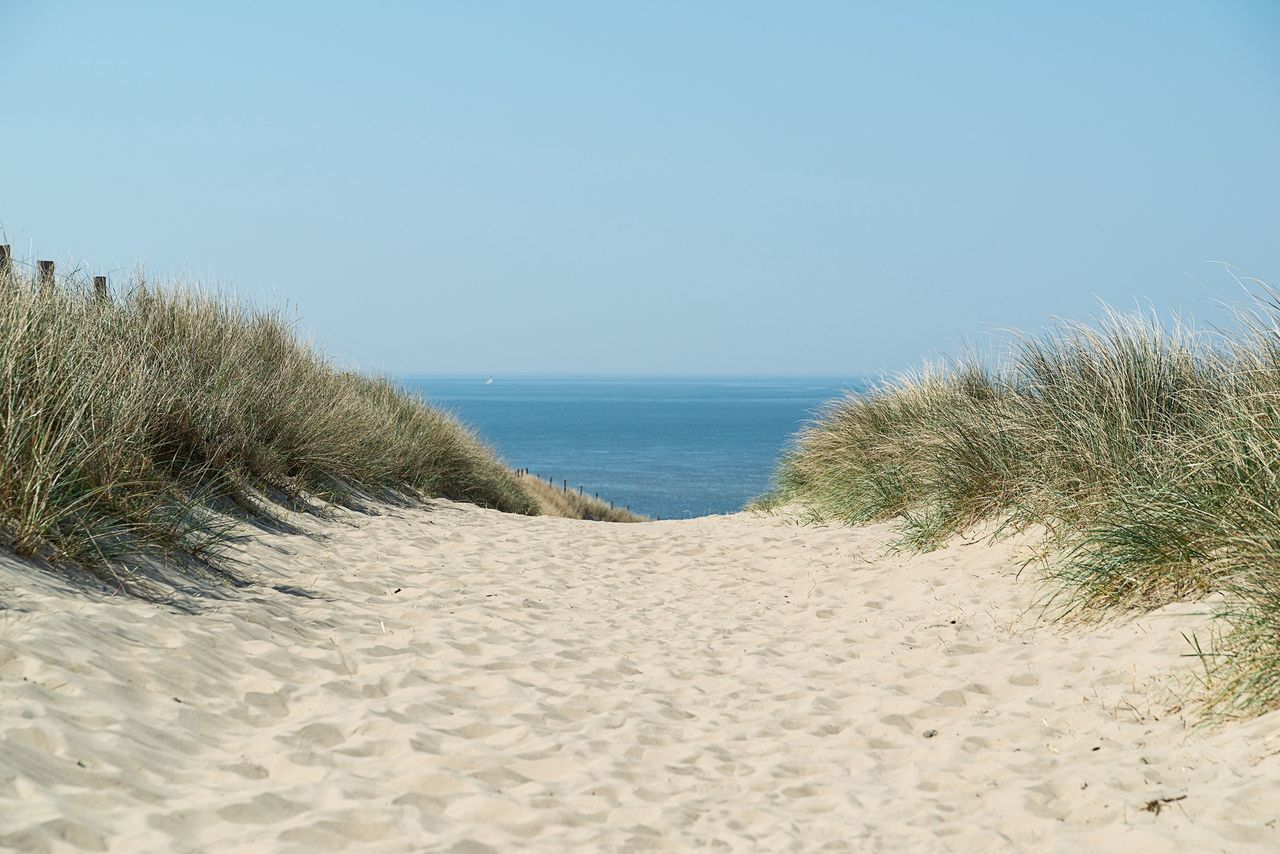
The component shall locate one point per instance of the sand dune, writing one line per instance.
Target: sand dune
(461, 680)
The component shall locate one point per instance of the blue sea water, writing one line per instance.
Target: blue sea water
(668, 448)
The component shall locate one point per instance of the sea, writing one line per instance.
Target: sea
(667, 448)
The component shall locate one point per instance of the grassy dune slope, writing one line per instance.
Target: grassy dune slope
(144, 425)
(1150, 454)
(555, 502)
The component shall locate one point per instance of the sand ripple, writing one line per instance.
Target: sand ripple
(462, 680)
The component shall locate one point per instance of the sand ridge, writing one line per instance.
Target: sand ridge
(457, 679)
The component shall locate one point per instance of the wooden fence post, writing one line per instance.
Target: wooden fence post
(6, 260)
(100, 288)
(46, 273)
(564, 484)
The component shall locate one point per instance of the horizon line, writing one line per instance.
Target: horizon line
(566, 375)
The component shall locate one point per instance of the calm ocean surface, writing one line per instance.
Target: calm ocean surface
(668, 448)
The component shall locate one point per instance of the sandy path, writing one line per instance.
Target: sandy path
(468, 681)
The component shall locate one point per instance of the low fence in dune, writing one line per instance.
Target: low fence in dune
(46, 272)
(564, 487)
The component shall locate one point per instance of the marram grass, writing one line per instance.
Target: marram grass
(143, 427)
(1150, 453)
(553, 501)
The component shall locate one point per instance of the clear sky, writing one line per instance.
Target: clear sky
(711, 188)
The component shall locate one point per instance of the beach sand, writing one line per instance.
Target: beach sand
(456, 679)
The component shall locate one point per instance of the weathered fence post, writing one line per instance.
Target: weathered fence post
(100, 288)
(46, 273)
(6, 260)
(564, 485)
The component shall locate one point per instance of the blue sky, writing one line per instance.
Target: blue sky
(656, 188)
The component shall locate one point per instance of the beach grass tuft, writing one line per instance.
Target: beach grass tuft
(134, 426)
(1148, 451)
